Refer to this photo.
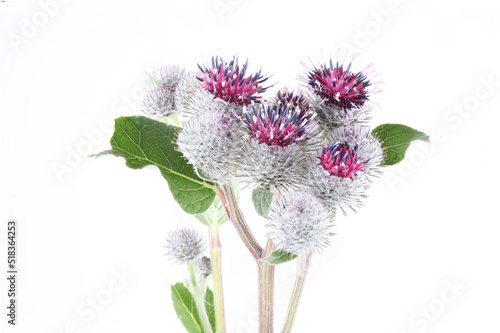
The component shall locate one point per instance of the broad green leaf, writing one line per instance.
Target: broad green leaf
(262, 199)
(396, 139)
(279, 257)
(210, 307)
(143, 141)
(185, 308)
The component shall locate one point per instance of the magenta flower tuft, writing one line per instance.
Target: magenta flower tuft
(277, 125)
(340, 160)
(227, 81)
(339, 86)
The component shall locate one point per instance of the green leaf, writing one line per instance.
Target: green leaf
(262, 199)
(396, 139)
(210, 307)
(279, 257)
(185, 308)
(143, 141)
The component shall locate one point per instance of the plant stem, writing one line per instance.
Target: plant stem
(228, 198)
(266, 291)
(199, 299)
(215, 252)
(302, 267)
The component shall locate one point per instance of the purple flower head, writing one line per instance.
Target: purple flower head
(294, 100)
(225, 80)
(340, 160)
(278, 125)
(336, 84)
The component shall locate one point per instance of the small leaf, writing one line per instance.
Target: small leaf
(262, 199)
(210, 307)
(279, 257)
(185, 308)
(214, 215)
(396, 139)
(143, 141)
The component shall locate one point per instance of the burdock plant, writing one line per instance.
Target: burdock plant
(307, 154)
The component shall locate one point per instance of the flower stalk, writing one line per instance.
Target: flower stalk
(266, 291)
(302, 268)
(230, 202)
(198, 292)
(215, 252)
(265, 270)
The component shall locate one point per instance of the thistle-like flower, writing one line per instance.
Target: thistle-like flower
(338, 179)
(369, 148)
(160, 86)
(334, 192)
(275, 152)
(336, 84)
(225, 80)
(184, 245)
(340, 160)
(278, 125)
(211, 143)
(339, 94)
(299, 224)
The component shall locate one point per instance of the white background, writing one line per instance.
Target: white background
(429, 220)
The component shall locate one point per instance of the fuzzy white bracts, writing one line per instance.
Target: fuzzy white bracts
(193, 100)
(272, 167)
(211, 143)
(332, 116)
(161, 85)
(369, 147)
(184, 245)
(299, 224)
(334, 192)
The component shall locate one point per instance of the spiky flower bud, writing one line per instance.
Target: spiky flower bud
(158, 103)
(160, 86)
(203, 267)
(369, 148)
(337, 188)
(299, 224)
(184, 245)
(337, 85)
(225, 80)
(192, 99)
(275, 151)
(167, 77)
(211, 143)
(340, 94)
